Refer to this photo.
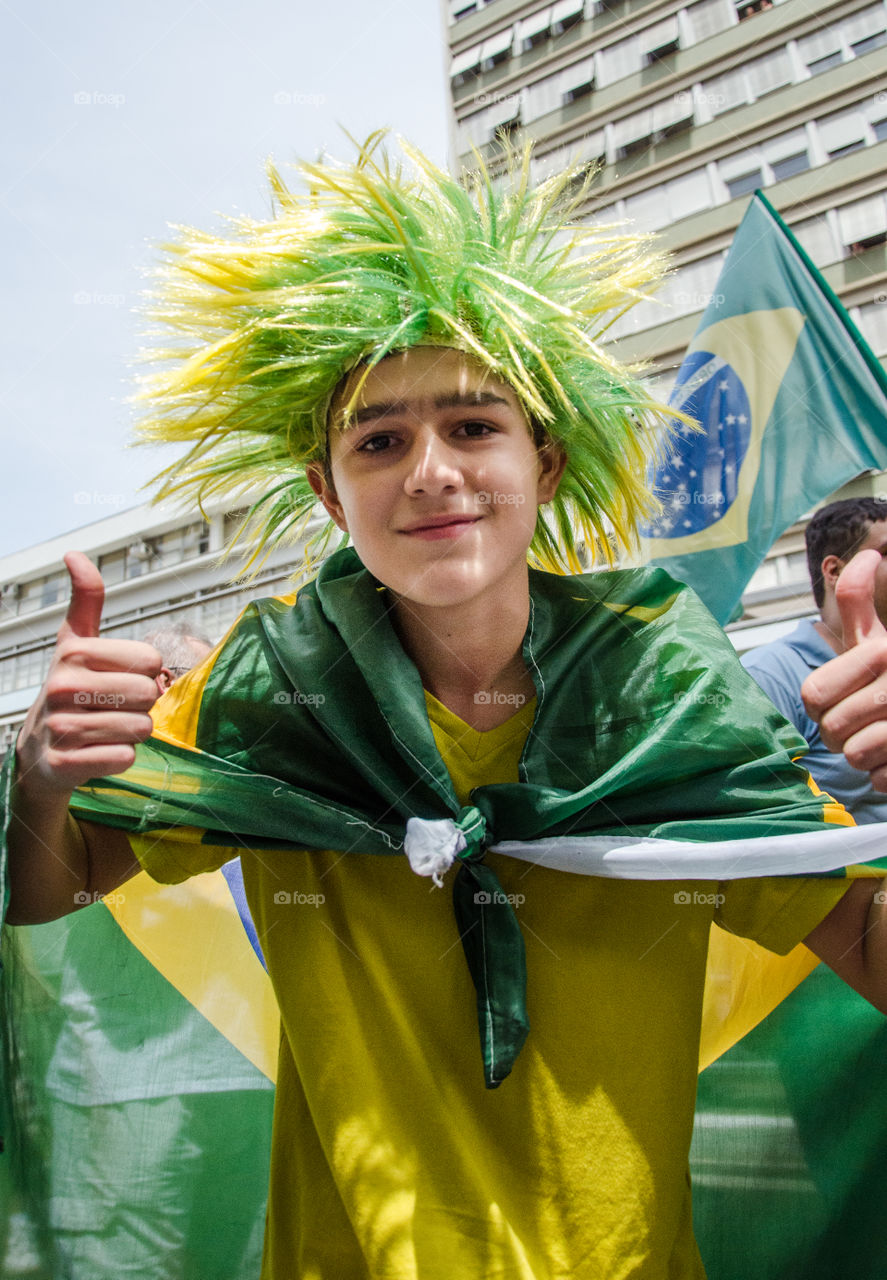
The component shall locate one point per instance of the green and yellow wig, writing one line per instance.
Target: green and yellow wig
(376, 257)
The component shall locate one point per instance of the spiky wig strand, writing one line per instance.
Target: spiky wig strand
(377, 257)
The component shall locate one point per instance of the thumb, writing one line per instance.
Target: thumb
(855, 598)
(87, 597)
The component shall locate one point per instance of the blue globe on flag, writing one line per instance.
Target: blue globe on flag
(699, 480)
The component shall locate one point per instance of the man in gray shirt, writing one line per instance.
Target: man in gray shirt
(827, 1092)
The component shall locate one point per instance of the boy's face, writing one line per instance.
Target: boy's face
(437, 478)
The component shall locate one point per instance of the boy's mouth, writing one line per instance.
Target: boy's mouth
(444, 526)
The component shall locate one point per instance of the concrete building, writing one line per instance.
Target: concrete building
(687, 108)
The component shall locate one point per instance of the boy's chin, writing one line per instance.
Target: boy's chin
(446, 587)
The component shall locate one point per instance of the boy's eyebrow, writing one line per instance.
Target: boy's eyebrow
(451, 400)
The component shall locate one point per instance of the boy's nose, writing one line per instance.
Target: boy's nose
(434, 467)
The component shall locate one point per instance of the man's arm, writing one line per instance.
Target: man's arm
(90, 712)
(852, 940)
(848, 699)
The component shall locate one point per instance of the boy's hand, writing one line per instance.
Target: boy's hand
(94, 704)
(848, 696)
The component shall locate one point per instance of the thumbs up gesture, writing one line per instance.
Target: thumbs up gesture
(848, 696)
(94, 704)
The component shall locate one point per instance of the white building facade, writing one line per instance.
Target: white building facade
(685, 109)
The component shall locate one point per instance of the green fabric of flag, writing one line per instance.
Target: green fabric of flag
(792, 404)
(312, 732)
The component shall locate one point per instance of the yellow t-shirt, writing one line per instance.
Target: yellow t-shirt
(390, 1158)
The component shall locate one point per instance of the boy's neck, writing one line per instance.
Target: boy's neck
(470, 657)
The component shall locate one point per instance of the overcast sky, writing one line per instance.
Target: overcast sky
(121, 119)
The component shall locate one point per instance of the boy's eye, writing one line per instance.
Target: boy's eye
(476, 428)
(376, 443)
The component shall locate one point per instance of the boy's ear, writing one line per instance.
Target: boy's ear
(552, 462)
(316, 475)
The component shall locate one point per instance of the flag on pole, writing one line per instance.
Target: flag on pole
(792, 403)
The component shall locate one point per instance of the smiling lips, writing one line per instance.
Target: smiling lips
(436, 527)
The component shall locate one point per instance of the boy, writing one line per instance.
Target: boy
(432, 362)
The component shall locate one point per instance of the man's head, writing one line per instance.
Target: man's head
(180, 648)
(384, 256)
(834, 536)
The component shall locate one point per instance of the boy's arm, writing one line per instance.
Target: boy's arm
(90, 712)
(848, 699)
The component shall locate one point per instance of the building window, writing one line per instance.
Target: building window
(465, 66)
(534, 30)
(744, 11)
(745, 183)
(660, 40)
(873, 323)
(842, 133)
(566, 14)
(708, 17)
(869, 43)
(791, 165)
(497, 49)
(462, 8)
(583, 90)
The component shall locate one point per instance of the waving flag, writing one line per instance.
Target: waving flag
(792, 404)
(145, 1034)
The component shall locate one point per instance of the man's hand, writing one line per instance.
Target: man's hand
(848, 696)
(90, 713)
(94, 704)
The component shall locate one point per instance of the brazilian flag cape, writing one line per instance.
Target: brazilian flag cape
(652, 755)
